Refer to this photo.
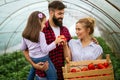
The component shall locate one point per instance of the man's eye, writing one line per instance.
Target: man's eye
(60, 13)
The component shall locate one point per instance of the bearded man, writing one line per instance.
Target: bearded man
(54, 28)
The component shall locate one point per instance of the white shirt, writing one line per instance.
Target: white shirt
(37, 50)
(56, 31)
(90, 52)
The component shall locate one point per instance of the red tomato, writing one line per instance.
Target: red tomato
(58, 36)
(63, 37)
(91, 66)
(106, 64)
(84, 69)
(101, 66)
(73, 70)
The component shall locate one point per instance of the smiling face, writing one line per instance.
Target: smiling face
(57, 17)
(56, 10)
(81, 30)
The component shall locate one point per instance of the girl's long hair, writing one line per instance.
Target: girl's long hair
(33, 27)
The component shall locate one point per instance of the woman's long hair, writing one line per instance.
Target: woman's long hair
(33, 27)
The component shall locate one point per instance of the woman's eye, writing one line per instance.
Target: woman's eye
(78, 29)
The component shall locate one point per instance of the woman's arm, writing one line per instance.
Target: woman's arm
(67, 52)
(100, 57)
(38, 65)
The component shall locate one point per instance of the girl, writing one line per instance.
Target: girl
(34, 40)
(83, 48)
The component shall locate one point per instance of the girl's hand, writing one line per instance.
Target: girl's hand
(62, 39)
(58, 40)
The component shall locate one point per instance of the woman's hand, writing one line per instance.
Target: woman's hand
(43, 66)
(65, 43)
(95, 40)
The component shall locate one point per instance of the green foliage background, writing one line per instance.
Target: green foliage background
(13, 66)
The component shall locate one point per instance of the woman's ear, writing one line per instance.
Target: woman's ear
(88, 30)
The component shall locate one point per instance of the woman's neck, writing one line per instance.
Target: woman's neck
(86, 41)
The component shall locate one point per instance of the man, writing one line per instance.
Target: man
(54, 28)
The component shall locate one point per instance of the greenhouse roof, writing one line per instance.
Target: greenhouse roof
(14, 15)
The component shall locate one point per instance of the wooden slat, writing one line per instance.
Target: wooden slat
(88, 62)
(67, 74)
(68, 67)
(88, 73)
(111, 77)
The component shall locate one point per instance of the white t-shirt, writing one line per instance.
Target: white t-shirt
(56, 31)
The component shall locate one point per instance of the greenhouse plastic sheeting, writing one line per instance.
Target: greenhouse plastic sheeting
(14, 14)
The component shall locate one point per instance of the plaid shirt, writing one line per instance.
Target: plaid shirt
(56, 55)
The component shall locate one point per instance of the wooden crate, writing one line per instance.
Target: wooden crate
(98, 74)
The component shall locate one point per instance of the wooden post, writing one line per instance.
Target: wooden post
(67, 60)
(63, 69)
(108, 58)
(67, 64)
(66, 69)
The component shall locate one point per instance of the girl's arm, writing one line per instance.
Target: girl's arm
(26, 54)
(67, 52)
(45, 47)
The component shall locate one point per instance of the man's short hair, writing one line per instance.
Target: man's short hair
(56, 5)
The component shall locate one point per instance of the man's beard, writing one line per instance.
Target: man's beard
(57, 22)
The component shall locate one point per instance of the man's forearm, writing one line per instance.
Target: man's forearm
(26, 54)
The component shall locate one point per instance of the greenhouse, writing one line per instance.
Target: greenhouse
(14, 16)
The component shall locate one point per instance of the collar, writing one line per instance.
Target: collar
(48, 24)
(91, 43)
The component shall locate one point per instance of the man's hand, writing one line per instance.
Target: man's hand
(95, 40)
(43, 66)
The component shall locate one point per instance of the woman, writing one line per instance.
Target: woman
(83, 48)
